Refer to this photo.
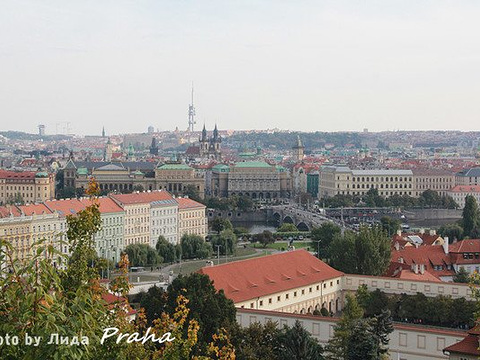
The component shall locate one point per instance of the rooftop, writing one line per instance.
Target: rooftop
(247, 279)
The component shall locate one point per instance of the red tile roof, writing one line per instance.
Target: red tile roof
(65, 207)
(186, 203)
(467, 245)
(465, 188)
(426, 255)
(106, 205)
(36, 209)
(410, 275)
(9, 210)
(5, 174)
(142, 197)
(468, 346)
(248, 279)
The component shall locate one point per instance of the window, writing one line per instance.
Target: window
(286, 296)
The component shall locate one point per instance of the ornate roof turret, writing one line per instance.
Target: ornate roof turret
(215, 132)
(204, 133)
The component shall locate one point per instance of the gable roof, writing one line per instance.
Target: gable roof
(156, 197)
(248, 279)
(65, 207)
(187, 203)
(106, 205)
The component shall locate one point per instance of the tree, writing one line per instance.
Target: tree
(40, 298)
(452, 231)
(462, 276)
(367, 252)
(211, 309)
(227, 240)
(244, 203)
(138, 188)
(166, 250)
(264, 238)
(193, 246)
(337, 346)
(192, 192)
(341, 253)
(256, 341)
(296, 343)
(142, 255)
(287, 227)
(470, 215)
(322, 237)
(390, 225)
(373, 251)
(219, 224)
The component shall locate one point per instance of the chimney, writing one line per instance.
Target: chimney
(400, 260)
(399, 232)
(445, 245)
(433, 232)
(415, 268)
(397, 246)
(422, 231)
(422, 269)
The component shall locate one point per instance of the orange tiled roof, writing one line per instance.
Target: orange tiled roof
(65, 207)
(186, 203)
(142, 197)
(469, 346)
(106, 205)
(9, 210)
(248, 279)
(36, 209)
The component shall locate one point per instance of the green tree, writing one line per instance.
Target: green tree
(341, 253)
(461, 276)
(227, 240)
(194, 246)
(40, 298)
(373, 251)
(390, 225)
(287, 227)
(296, 343)
(219, 224)
(166, 250)
(337, 346)
(143, 255)
(192, 192)
(256, 341)
(244, 203)
(322, 237)
(367, 252)
(265, 238)
(452, 231)
(470, 216)
(211, 309)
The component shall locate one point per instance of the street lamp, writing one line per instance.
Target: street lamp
(218, 253)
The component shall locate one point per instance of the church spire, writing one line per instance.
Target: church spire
(103, 132)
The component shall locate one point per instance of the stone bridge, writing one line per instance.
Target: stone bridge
(303, 220)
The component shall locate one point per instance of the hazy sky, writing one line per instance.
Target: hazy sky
(300, 65)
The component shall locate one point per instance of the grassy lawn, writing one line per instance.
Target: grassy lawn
(280, 245)
(242, 253)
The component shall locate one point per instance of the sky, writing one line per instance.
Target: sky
(298, 65)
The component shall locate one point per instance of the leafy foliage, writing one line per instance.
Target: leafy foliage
(193, 246)
(143, 255)
(367, 252)
(219, 224)
(322, 237)
(264, 238)
(287, 227)
(227, 240)
(169, 252)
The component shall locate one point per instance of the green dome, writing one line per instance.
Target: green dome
(41, 174)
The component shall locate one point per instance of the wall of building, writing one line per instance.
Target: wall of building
(407, 342)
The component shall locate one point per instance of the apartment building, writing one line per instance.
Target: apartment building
(340, 179)
(438, 180)
(460, 192)
(468, 177)
(26, 186)
(109, 240)
(191, 218)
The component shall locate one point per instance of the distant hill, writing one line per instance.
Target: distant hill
(19, 135)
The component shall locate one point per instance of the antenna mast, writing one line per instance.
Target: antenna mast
(191, 115)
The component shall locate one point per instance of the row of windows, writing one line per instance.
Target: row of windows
(296, 293)
(380, 179)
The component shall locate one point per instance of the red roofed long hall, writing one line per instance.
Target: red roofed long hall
(294, 282)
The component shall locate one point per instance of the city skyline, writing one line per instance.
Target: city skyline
(308, 66)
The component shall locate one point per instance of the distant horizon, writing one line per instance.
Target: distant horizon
(250, 130)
